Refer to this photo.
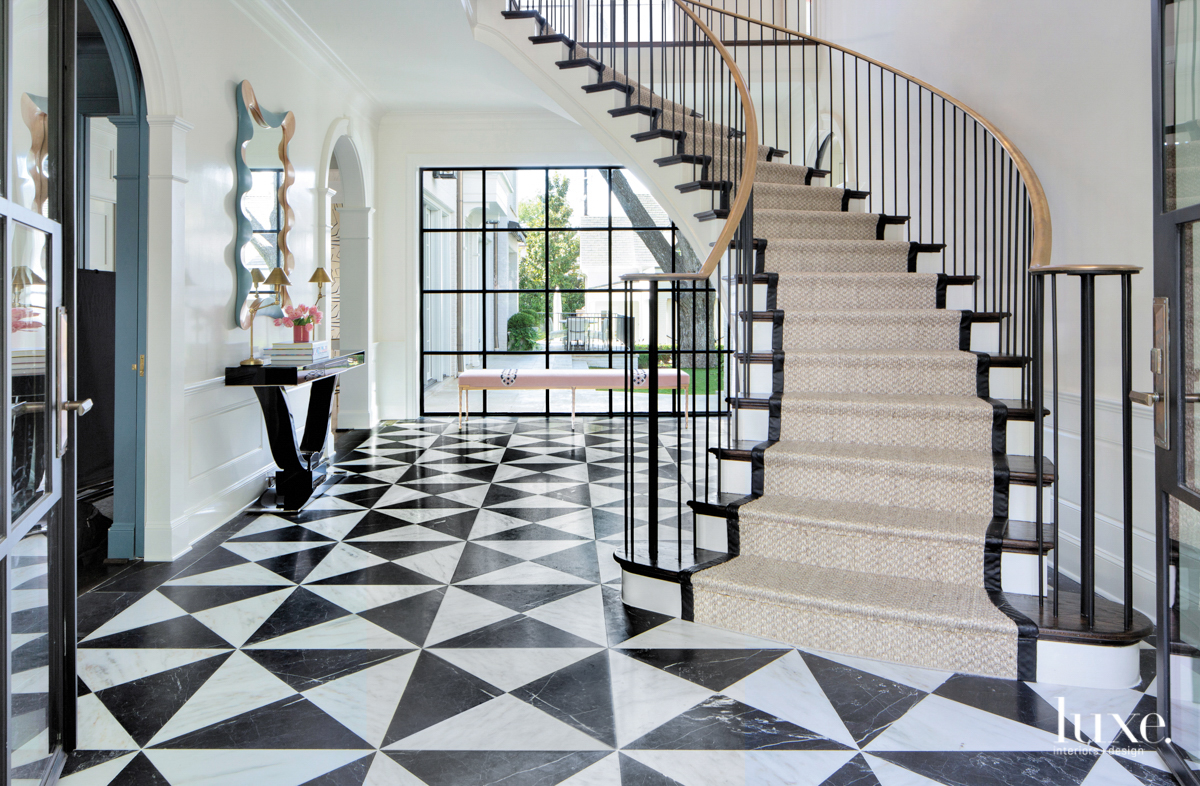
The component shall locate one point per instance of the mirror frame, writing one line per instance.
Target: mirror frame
(250, 115)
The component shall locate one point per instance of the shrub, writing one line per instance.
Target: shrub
(522, 331)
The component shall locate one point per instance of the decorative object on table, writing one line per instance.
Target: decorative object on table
(264, 175)
(299, 354)
(280, 281)
(301, 319)
(320, 278)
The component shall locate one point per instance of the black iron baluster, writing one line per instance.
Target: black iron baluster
(1127, 441)
(1087, 432)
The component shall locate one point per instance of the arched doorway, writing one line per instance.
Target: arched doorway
(352, 327)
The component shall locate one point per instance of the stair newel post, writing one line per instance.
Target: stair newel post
(1039, 437)
(630, 443)
(652, 427)
(1054, 427)
(1127, 440)
(1087, 433)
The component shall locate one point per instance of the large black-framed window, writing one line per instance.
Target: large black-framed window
(520, 268)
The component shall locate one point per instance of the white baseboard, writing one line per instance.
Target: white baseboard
(166, 544)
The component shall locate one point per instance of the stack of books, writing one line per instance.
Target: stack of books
(28, 362)
(298, 354)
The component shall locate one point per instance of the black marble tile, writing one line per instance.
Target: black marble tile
(482, 768)
(1149, 668)
(1008, 699)
(535, 514)
(1147, 706)
(634, 773)
(410, 618)
(302, 609)
(580, 695)
(37, 582)
(353, 774)
(855, 772)
(523, 597)
(714, 669)
(578, 495)
(598, 471)
(216, 559)
(483, 473)
(81, 688)
(143, 577)
(296, 566)
(518, 632)
(425, 503)
(477, 560)
(143, 706)
(194, 599)
(373, 523)
(31, 655)
(458, 525)
(306, 669)
(499, 494)
(722, 723)
(607, 523)
(578, 561)
(1150, 776)
(436, 690)
(438, 489)
(996, 768)
(34, 620)
(283, 535)
(180, 633)
(293, 723)
(309, 516)
(387, 573)
(85, 760)
(141, 772)
(397, 549)
(624, 622)
(530, 532)
(866, 703)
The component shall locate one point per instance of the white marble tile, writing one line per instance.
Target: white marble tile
(255, 551)
(227, 767)
(236, 622)
(389, 475)
(101, 775)
(420, 516)
(939, 724)
(473, 496)
(531, 549)
(511, 472)
(366, 701)
(404, 533)
(360, 597)
(1088, 703)
(397, 494)
(264, 523)
(534, 502)
(644, 697)
(240, 685)
(890, 774)
(927, 680)
(1152, 688)
(509, 668)
(148, 610)
(581, 613)
(606, 772)
(1108, 772)
(344, 633)
(350, 488)
(461, 612)
(578, 522)
(677, 634)
(98, 730)
(336, 527)
(332, 503)
(604, 495)
(538, 486)
(741, 768)
(609, 569)
(787, 689)
(374, 461)
(526, 573)
(433, 455)
(23, 600)
(343, 559)
(570, 472)
(247, 574)
(386, 772)
(488, 522)
(502, 724)
(105, 668)
(437, 564)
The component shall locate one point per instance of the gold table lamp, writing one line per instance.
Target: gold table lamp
(277, 279)
(320, 278)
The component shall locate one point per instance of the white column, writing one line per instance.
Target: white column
(166, 424)
(357, 404)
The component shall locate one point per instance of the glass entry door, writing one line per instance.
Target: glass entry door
(1175, 361)
(36, 204)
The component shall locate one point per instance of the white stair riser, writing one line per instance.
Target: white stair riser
(856, 206)
(895, 232)
(753, 424)
(761, 382)
(985, 337)
(1019, 573)
(763, 335)
(643, 592)
(735, 477)
(712, 533)
(1005, 382)
(1022, 502)
(1020, 438)
(1087, 666)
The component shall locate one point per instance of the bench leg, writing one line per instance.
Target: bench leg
(460, 394)
(572, 409)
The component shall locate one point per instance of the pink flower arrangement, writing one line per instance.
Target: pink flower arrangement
(21, 319)
(299, 315)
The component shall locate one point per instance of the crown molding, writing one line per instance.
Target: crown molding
(281, 22)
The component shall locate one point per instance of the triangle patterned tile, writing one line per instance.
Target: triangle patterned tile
(714, 669)
(648, 697)
(193, 599)
(260, 551)
(966, 768)
(722, 723)
(397, 494)
(288, 724)
(299, 564)
(677, 634)
(304, 670)
(208, 767)
(361, 597)
(153, 607)
(490, 522)
(410, 618)
(515, 667)
(101, 669)
(385, 771)
(352, 774)
(105, 773)
(365, 702)
(502, 724)
(605, 772)
(477, 560)
(526, 573)
(351, 633)
(581, 614)
(516, 631)
(461, 612)
(437, 564)
(246, 574)
(335, 527)
(420, 707)
(387, 573)
(180, 633)
(454, 768)
(236, 622)
(97, 729)
(344, 558)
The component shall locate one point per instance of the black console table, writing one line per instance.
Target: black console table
(302, 467)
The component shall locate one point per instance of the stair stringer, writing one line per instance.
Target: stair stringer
(510, 37)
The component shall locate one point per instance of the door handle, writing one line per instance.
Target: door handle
(1145, 399)
(26, 408)
(81, 407)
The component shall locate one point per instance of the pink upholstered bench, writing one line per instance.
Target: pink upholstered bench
(564, 379)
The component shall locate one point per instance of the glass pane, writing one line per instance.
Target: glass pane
(453, 323)
(1181, 103)
(440, 376)
(30, 160)
(632, 204)
(261, 202)
(531, 197)
(525, 401)
(30, 383)
(452, 261)
(30, 620)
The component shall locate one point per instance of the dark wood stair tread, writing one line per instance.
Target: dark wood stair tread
(1070, 627)
(1020, 537)
(1022, 470)
(1020, 410)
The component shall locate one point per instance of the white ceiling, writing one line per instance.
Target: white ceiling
(419, 54)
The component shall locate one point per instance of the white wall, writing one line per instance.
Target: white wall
(411, 140)
(1069, 83)
(206, 450)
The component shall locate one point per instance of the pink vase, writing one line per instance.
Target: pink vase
(302, 334)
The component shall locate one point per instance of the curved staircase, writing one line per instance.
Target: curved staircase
(869, 504)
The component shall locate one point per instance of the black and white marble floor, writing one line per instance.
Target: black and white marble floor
(450, 615)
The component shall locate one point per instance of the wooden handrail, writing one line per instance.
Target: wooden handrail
(749, 168)
(1043, 233)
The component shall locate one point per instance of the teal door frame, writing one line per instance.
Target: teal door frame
(127, 536)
